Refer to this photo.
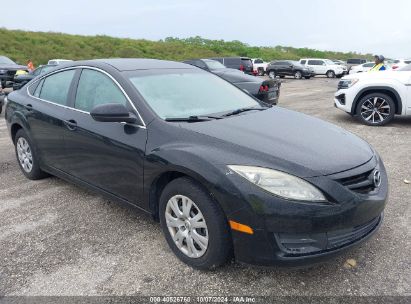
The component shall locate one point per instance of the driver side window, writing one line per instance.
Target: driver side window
(94, 89)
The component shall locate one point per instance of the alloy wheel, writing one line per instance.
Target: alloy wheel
(271, 74)
(24, 154)
(375, 110)
(187, 226)
(298, 75)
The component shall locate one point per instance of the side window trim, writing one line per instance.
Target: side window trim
(91, 68)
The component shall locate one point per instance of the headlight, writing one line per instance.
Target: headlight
(347, 83)
(279, 183)
(3, 71)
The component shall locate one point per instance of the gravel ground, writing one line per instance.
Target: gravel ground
(59, 239)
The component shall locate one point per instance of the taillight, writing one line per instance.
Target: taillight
(395, 67)
(264, 88)
(241, 67)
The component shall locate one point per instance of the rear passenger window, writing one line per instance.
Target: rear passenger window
(231, 61)
(312, 62)
(96, 88)
(56, 87)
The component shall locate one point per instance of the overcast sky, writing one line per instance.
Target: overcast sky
(367, 26)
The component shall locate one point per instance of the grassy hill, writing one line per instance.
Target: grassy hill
(41, 46)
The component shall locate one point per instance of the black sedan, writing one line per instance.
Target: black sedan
(21, 80)
(224, 174)
(8, 69)
(265, 90)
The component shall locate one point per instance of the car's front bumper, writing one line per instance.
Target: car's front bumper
(294, 233)
(343, 100)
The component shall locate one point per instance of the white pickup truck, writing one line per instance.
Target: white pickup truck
(259, 66)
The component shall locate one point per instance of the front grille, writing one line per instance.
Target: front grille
(361, 183)
(306, 244)
(341, 238)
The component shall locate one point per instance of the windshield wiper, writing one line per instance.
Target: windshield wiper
(193, 118)
(241, 110)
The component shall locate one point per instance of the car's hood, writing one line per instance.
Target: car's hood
(320, 147)
(399, 75)
(13, 67)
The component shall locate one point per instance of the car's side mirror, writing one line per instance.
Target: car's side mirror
(114, 112)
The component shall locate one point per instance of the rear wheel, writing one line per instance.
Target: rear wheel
(194, 226)
(330, 74)
(261, 72)
(298, 75)
(271, 74)
(376, 109)
(27, 156)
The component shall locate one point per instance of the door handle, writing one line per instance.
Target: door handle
(71, 124)
(29, 107)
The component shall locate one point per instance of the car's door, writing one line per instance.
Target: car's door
(314, 65)
(46, 112)
(408, 99)
(108, 155)
(322, 67)
(280, 68)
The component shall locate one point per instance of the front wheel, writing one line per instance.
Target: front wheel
(330, 74)
(271, 74)
(376, 109)
(194, 225)
(261, 72)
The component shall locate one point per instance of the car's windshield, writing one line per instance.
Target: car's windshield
(214, 65)
(184, 93)
(328, 61)
(5, 60)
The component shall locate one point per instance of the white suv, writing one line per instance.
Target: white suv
(375, 97)
(324, 67)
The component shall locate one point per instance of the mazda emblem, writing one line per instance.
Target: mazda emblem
(377, 178)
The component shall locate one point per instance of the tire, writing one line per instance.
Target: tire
(261, 72)
(375, 109)
(271, 74)
(27, 156)
(298, 75)
(218, 250)
(330, 74)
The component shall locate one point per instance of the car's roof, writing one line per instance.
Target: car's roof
(129, 64)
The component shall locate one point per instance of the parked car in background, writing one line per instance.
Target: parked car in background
(284, 68)
(58, 61)
(21, 80)
(265, 90)
(365, 67)
(2, 99)
(243, 64)
(374, 98)
(225, 175)
(324, 67)
(400, 63)
(354, 61)
(8, 69)
(339, 62)
(259, 66)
